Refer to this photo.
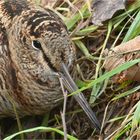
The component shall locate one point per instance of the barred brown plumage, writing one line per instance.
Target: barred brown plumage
(35, 48)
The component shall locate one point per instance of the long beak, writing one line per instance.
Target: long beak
(71, 87)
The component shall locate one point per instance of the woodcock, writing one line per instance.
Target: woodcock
(35, 50)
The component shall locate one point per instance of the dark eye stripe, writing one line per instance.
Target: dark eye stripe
(37, 45)
(49, 62)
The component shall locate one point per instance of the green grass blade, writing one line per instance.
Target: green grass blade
(134, 5)
(74, 19)
(95, 88)
(126, 93)
(83, 48)
(118, 19)
(121, 133)
(108, 75)
(41, 128)
(87, 30)
(136, 117)
(134, 29)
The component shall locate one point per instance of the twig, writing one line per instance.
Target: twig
(104, 117)
(64, 109)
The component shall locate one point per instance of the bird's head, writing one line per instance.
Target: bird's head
(39, 43)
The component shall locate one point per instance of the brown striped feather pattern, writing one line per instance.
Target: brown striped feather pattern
(28, 74)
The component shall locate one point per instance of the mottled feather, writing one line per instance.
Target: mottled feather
(27, 75)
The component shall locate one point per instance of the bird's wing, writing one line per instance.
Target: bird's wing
(4, 59)
(5, 73)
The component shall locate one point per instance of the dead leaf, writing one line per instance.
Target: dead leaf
(105, 9)
(121, 54)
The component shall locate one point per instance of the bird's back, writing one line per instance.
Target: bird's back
(6, 75)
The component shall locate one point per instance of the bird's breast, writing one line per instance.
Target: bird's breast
(36, 96)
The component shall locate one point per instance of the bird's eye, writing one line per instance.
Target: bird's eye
(36, 44)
